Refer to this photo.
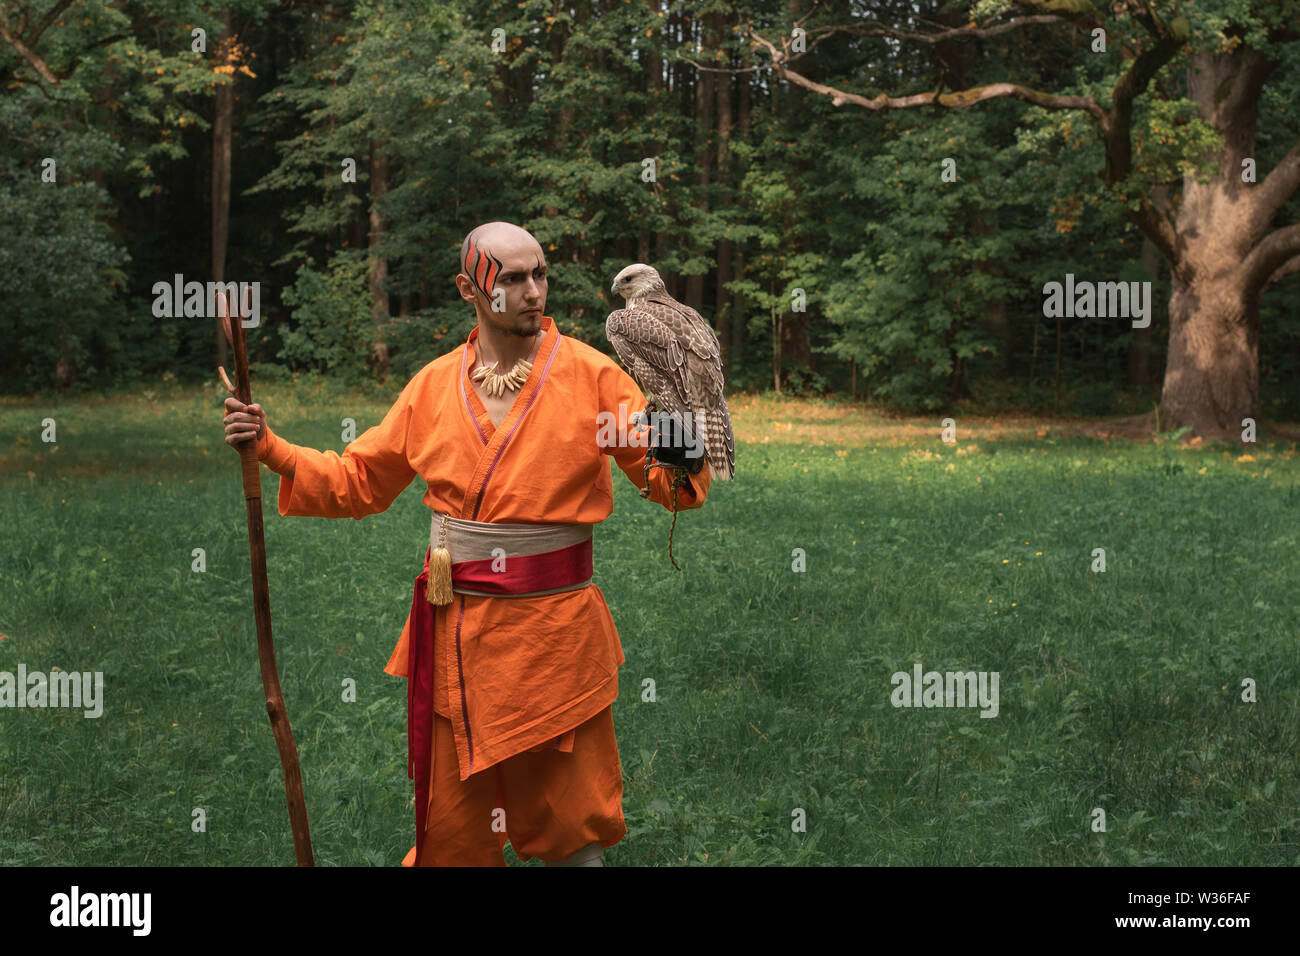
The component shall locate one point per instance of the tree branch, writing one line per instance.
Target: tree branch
(1157, 227)
(37, 63)
(10, 77)
(1118, 128)
(939, 36)
(49, 18)
(1279, 185)
(68, 71)
(956, 100)
(1114, 126)
(1288, 267)
(1272, 258)
(723, 69)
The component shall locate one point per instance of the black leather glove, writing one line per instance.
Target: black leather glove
(670, 446)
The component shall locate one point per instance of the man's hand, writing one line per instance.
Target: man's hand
(243, 422)
(670, 448)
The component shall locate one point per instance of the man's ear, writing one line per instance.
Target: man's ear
(472, 295)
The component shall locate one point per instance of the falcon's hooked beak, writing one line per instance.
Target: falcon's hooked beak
(614, 287)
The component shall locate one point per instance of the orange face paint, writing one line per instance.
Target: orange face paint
(482, 267)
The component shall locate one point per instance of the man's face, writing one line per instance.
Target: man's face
(506, 280)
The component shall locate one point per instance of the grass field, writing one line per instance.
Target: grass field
(1119, 690)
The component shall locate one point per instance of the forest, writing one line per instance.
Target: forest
(870, 200)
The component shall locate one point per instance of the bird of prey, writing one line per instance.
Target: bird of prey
(673, 355)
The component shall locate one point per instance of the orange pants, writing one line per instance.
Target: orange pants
(548, 803)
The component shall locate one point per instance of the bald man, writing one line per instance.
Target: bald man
(511, 657)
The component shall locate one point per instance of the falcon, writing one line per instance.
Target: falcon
(673, 355)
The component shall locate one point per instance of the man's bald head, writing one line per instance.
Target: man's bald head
(486, 249)
(503, 272)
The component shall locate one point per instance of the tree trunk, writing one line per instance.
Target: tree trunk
(722, 306)
(796, 342)
(560, 135)
(704, 104)
(651, 247)
(1212, 373)
(1056, 377)
(984, 222)
(378, 264)
(654, 75)
(737, 326)
(957, 377)
(776, 346)
(1212, 377)
(722, 298)
(222, 122)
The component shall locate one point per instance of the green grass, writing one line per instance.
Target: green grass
(1119, 690)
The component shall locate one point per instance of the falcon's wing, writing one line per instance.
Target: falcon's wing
(698, 338)
(651, 352)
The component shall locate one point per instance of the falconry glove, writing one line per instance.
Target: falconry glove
(669, 446)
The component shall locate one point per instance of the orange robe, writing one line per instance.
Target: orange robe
(511, 674)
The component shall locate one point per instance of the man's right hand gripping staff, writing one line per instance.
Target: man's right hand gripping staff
(248, 422)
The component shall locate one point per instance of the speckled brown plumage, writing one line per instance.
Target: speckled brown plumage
(673, 355)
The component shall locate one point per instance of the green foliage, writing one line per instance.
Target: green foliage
(62, 269)
(851, 257)
(332, 328)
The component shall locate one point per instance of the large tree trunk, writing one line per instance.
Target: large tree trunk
(1212, 373)
(222, 123)
(1212, 377)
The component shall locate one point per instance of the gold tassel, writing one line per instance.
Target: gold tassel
(438, 589)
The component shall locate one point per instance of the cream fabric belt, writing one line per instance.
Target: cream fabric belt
(474, 546)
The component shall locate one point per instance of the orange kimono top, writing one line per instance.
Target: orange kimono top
(511, 673)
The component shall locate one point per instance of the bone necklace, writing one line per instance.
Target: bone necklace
(496, 383)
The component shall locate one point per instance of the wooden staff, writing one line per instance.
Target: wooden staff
(262, 604)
